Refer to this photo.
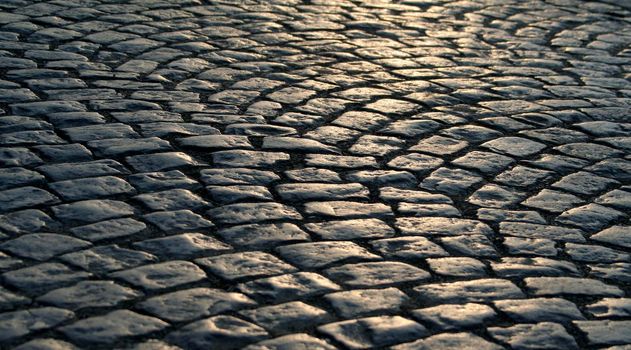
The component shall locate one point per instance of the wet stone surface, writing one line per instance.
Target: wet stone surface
(267, 175)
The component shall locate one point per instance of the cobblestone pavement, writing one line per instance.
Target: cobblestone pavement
(423, 174)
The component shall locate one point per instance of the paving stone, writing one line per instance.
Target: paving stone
(43, 277)
(595, 253)
(523, 336)
(455, 317)
(162, 181)
(552, 201)
(591, 217)
(263, 235)
(538, 231)
(482, 290)
(530, 246)
(194, 303)
(108, 258)
(615, 198)
(604, 332)
(321, 191)
(616, 235)
(288, 287)
(24, 221)
(64, 153)
(539, 310)
(171, 200)
(116, 147)
(378, 331)
(153, 344)
(584, 183)
(252, 212)
(111, 327)
(312, 175)
(367, 301)
(554, 135)
(521, 267)
(500, 215)
(245, 265)
(457, 267)
(360, 120)
(410, 128)
(162, 275)
(591, 151)
(351, 229)
(615, 168)
(20, 323)
(178, 220)
(320, 254)
(416, 162)
(392, 194)
(554, 286)
(487, 163)
(450, 340)
(184, 245)
(18, 156)
(46, 343)
(616, 272)
(342, 209)
(68, 171)
(495, 197)
(237, 176)
(292, 340)
(89, 294)
(24, 197)
(96, 187)
(450, 181)
(30, 138)
(255, 159)
(469, 245)
(167, 129)
(412, 248)
(422, 210)
(42, 246)
(72, 119)
(378, 146)
(558, 163)
(17, 177)
(160, 161)
(108, 229)
(11, 301)
(287, 317)
(209, 142)
(610, 307)
(333, 135)
(471, 133)
(371, 274)
(258, 130)
(226, 332)
(99, 132)
(344, 162)
(438, 226)
(440, 145)
(296, 145)
(92, 210)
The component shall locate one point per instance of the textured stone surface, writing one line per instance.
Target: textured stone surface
(112, 327)
(224, 332)
(434, 174)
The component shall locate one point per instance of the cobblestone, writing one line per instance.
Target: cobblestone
(200, 174)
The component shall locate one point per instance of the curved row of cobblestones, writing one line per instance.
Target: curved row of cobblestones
(420, 174)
